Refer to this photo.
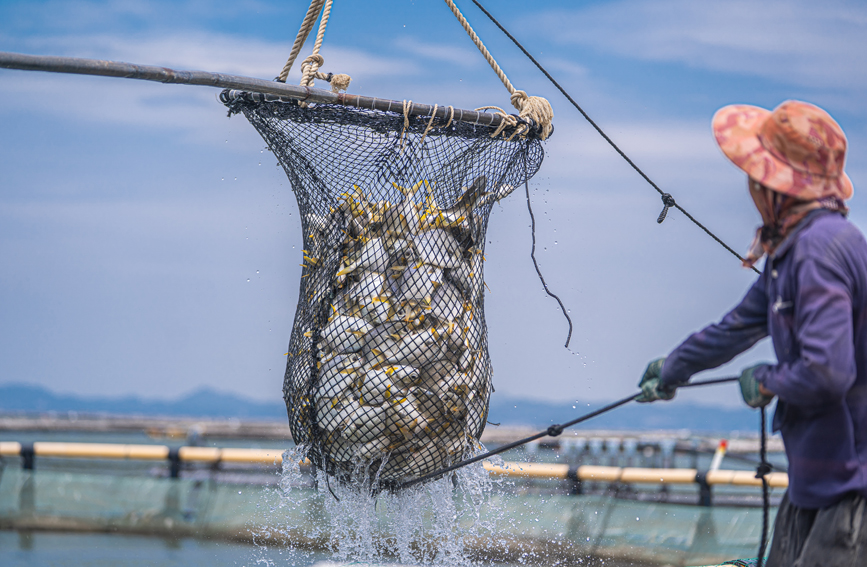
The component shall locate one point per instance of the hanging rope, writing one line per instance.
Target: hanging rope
(762, 470)
(306, 25)
(311, 65)
(533, 108)
(553, 431)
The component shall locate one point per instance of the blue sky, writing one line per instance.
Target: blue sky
(150, 245)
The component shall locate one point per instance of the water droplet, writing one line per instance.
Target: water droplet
(248, 281)
(257, 271)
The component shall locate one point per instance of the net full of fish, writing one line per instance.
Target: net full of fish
(388, 375)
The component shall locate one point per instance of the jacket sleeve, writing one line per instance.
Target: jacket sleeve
(825, 369)
(716, 344)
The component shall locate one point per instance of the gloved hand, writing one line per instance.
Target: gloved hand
(750, 388)
(651, 389)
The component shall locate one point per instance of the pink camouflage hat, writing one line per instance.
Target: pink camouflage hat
(797, 149)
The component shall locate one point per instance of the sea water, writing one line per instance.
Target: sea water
(427, 524)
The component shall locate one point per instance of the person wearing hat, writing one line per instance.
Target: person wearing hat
(811, 298)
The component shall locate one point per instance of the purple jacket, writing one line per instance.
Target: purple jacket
(812, 300)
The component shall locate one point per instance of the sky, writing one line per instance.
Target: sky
(150, 246)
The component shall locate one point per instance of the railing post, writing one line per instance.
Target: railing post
(28, 456)
(576, 487)
(705, 495)
(174, 463)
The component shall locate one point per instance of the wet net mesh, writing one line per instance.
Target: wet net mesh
(388, 374)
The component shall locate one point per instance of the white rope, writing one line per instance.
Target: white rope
(311, 65)
(306, 25)
(533, 108)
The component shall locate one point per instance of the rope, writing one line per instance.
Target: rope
(552, 431)
(407, 108)
(536, 264)
(533, 108)
(306, 25)
(763, 469)
(311, 65)
(668, 200)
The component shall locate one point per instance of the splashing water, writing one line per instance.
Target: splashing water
(430, 524)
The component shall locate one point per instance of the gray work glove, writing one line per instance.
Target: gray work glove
(750, 388)
(651, 389)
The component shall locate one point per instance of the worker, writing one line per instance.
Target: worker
(811, 298)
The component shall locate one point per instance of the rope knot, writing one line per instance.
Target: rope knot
(667, 203)
(534, 108)
(340, 82)
(309, 67)
(554, 430)
(763, 469)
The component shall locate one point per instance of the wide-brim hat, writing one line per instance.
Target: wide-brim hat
(797, 149)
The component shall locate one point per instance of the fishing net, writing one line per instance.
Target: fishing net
(388, 374)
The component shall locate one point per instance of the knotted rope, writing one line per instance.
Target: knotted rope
(534, 108)
(311, 65)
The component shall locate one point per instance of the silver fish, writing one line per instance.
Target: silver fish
(429, 458)
(376, 388)
(436, 371)
(447, 303)
(457, 214)
(404, 418)
(438, 247)
(345, 334)
(366, 424)
(372, 257)
(371, 285)
(403, 376)
(418, 282)
(419, 349)
(373, 450)
(343, 450)
(335, 416)
(402, 220)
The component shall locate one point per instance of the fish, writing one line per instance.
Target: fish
(458, 214)
(402, 220)
(403, 376)
(418, 349)
(370, 285)
(467, 276)
(371, 257)
(366, 424)
(373, 450)
(334, 383)
(404, 418)
(418, 282)
(383, 342)
(437, 247)
(428, 458)
(333, 416)
(447, 303)
(376, 387)
(377, 310)
(436, 371)
(345, 334)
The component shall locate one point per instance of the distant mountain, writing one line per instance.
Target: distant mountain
(206, 402)
(660, 415)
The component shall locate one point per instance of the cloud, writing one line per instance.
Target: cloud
(462, 57)
(797, 42)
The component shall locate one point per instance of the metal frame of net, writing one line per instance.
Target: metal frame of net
(388, 375)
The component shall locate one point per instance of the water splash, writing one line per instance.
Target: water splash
(431, 524)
